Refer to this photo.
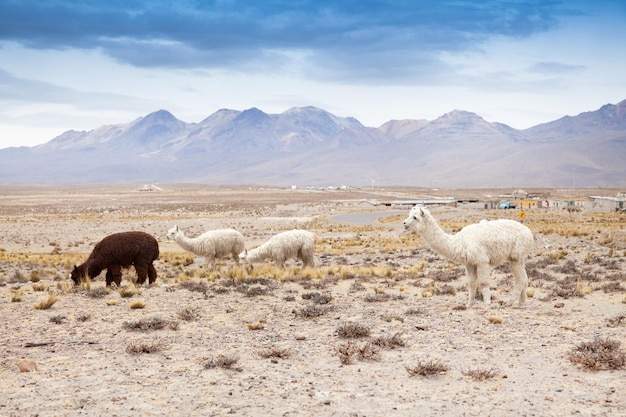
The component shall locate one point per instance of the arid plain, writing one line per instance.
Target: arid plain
(377, 328)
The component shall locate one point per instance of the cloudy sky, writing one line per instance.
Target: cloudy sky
(68, 64)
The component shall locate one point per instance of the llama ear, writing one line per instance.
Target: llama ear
(422, 212)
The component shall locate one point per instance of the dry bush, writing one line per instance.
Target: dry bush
(317, 298)
(136, 347)
(138, 304)
(221, 361)
(99, 292)
(154, 323)
(83, 317)
(47, 302)
(444, 289)
(478, 374)
(352, 331)
(601, 354)
(377, 297)
(194, 286)
(275, 352)
(616, 321)
(57, 319)
(389, 342)
(40, 286)
(427, 368)
(312, 311)
(350, 351)
(189, 314)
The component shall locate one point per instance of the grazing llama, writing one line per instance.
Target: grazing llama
(117, 251)
(479, 247)
(211, 245)
(285, 245)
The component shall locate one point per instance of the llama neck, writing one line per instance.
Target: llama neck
(184, 241)
(440, 241)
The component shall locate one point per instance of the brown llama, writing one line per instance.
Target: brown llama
(117, 251)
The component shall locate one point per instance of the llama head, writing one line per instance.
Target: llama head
(418, 216)
(171, 234)
(78, 274)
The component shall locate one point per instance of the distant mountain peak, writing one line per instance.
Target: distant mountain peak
(311, 146)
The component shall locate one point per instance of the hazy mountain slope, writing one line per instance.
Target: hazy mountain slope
(309, 146)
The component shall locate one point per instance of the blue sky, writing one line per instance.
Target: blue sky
(82, 64)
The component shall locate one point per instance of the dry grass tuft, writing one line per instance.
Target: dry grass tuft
(127, 291)
(494, 319)
(47, 302)
(427, 368)
(138, 304)
(601, 354)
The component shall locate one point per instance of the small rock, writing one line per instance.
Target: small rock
(559, 305)
(27, 365)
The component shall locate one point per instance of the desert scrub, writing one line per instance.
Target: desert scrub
(389, 342)
(480, 374)
(135, 348)
(350, 351)
(137, 304)
(154, 323)
(600, 354)
(275, 352)
(312, 311)
(427, 368)
(224, 361)
(189, 314)
(352, 331)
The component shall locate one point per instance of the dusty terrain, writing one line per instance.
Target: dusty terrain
(351, 337)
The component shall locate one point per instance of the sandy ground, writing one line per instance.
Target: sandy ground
(231, 345)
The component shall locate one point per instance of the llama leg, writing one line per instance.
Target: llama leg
(114, 274)
(470, 270)
(483, 274)
(142, 272)
(520, 280)
(152, 275)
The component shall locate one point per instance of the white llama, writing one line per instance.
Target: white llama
(211, 245)
(479, 247)
(291, 244)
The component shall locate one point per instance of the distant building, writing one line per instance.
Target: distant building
(602, 204)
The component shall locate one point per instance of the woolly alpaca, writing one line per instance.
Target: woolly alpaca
(117, 251)
(291, 244)
(478, 247)
(210, 245)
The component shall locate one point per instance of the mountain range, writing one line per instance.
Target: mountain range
(308, 146)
